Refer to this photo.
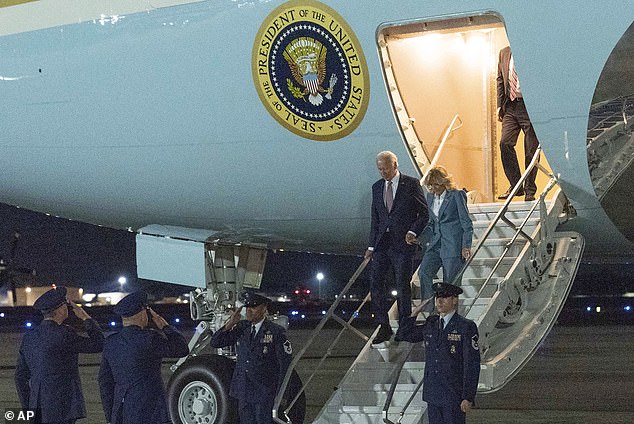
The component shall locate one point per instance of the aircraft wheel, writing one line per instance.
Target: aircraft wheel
(198, 392)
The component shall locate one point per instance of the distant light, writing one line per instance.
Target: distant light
(113, 324)
(589, 308)
(320, 276)
(343, 312)
(122, 280)
(394, 292)
(356, 314)
(1, 314)
(598, 309)
(28, 290)
(296, 291)
(322, 312)
(294, 313)
(303, 316)
(177, 320)
(307, 291)
(627, 308)
(29, 324)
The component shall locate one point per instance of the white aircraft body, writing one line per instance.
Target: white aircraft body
(258, 123)
(131, 113)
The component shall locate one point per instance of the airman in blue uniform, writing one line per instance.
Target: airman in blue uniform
(47, 373)
(452, 358)
(132, 391)
(264, 354)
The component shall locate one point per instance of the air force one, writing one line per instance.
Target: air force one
(219, 129)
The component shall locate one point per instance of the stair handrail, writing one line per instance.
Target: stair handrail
(330, 314)
(519, 231)
(397, 373)
(445, 137)
(501, 214)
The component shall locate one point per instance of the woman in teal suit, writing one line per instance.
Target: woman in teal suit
(447, 238)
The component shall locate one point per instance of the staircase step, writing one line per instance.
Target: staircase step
(481, 267)
(377, 372)
(472, 287)
(374, 414)
(493, 248)
(502, 230)
(376, 395)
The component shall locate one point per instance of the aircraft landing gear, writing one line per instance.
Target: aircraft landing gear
(198, 392)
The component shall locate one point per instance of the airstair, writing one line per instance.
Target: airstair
(610, 141)
(515, 285)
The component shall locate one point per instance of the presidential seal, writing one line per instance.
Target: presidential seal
(310, 72)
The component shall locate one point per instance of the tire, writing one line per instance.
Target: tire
(198, 392)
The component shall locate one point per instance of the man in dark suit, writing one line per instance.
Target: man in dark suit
(514, 117)
(264, 354)
(452, 357)
(399, 214)
(47, 373)
(130, 380)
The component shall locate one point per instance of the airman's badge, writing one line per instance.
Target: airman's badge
(288, 349)
(310, 72)
(268, 338)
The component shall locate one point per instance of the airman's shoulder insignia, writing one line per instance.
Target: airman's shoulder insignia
(288, 349)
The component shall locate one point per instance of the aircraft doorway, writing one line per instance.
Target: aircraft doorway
(445, 71)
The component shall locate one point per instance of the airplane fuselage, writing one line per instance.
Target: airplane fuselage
(143, 113)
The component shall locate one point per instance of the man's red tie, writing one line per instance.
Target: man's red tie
(513, 84)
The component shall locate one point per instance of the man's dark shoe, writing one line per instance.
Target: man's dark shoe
(529, 197)
(520, 192)
(384, 334)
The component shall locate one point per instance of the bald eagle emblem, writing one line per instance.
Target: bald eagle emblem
(306, 58)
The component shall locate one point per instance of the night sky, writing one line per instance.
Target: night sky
(82, 255)
(76, 254)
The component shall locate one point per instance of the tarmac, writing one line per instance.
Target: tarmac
(580, 374)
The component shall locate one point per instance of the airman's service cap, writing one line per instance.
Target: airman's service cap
(131, 304)
(51, 300)
(446, 290)
(252, 299)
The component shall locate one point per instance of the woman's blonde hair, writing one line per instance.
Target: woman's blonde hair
(439, 175)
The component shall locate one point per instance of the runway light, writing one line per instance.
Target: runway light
(303, 316)
(294, 313)
(322, 312)
(177, 320)
(113, 324)
(627, 308)
(1, 314)
(589, 308)
(29, 324)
